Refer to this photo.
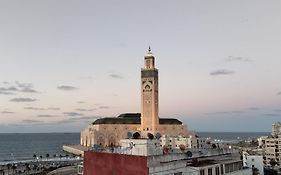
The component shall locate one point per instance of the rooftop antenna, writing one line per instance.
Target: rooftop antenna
(149, 49)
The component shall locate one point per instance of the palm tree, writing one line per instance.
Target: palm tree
(9, 166)
(27, 167)
(47, 156)
(35, 167)
(14, 167)
(60, 156)
(41, 157)
(34, 156)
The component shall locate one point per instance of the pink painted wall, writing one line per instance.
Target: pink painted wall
(114, 164)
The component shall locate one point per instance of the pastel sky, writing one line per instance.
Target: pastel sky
(65, 63)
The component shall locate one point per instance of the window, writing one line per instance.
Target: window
(217, 170)
(222, 172)
(179, 173)
(210, 172)
(202, 172)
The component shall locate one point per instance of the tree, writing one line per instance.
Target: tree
(34, 156)
(41, 157)
(255, 171)
(9, 167)
(273, 162)
(47, 156)
(35, 167)
(14, 167)
(27, 168)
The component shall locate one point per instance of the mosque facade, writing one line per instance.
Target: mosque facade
(110, 130)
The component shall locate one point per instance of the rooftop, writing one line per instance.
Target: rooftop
(133, 118)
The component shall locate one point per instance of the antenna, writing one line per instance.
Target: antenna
(189, 154)
(129, 135)
(150, 136)
(158, 136)
(136, 135)
(96, 147)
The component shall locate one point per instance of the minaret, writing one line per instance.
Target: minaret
(149, 95)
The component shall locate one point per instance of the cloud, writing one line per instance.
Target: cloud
(23, 85)
(73, 114)
(279, 93)
(54, 108)
(272, 115)
(233, 58)
(221, 72)
(225, 112)
(67, 88)
(87, 119)
(27, 121)
(7, 112)
(42, 109)
(6, 93)
(23, 100)
(81, 102)
(28, 90)
(253, 108)
(34, 108)
(116, 76)
(104, 107)
(85, 110)
(11, 89)
(46, 116)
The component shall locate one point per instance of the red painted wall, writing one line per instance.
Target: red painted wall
(96, 163)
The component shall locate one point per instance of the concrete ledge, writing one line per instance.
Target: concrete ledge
(76, 149)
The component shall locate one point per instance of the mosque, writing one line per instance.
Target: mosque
(110, 130)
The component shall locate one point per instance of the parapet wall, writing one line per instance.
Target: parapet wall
(97, 163)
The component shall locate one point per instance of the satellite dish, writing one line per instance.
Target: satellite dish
(136, 135)
(158, 135)
(96, 147)
(189, 154)
(129, 135)
(150, 136)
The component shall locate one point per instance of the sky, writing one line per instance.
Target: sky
(65, 63)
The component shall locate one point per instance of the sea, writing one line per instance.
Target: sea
(22, 146)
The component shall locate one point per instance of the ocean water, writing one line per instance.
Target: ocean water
(24, 146)
(229, 136)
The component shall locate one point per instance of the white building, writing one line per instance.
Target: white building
(192, 142)
(271, 145)
(253, 161)
(276, 129)
(171, 162)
